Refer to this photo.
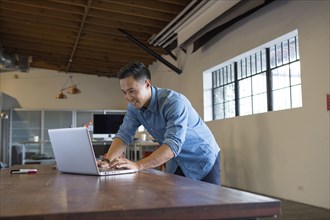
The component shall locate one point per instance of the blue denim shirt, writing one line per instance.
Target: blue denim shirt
(171, 120)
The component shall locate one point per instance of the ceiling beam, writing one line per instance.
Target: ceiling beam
(79, 34)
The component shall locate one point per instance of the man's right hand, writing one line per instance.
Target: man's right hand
(104, 163)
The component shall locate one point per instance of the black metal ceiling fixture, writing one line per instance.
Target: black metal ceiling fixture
(151, 52)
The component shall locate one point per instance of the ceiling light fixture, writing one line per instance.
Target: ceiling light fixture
(61, 95)
(72, 89)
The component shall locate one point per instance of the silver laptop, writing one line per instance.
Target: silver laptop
(74, 153)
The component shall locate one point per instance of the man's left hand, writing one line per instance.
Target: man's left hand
(121, 162)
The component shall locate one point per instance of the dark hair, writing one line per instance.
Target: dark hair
(137, 70)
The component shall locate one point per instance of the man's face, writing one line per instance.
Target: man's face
(138, 93)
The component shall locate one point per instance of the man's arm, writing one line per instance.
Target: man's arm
(116, 149)
(157, 158)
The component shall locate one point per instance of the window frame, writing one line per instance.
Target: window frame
(249, 56)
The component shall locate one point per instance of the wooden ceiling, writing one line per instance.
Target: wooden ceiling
(82, 36)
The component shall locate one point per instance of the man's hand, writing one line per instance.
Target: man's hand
(157, 158)
(121, 162)
(102, 164)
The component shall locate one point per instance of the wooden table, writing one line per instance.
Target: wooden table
(144, 195)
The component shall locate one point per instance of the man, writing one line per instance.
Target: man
(187, 146)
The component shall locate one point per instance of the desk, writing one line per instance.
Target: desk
(27, 144)
(143, 195)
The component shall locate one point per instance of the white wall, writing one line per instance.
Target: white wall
(37, 90)
(286, 153)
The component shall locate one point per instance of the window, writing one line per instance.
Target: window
(223, 81)
(285, 75)
(252, 88)
(261, 80)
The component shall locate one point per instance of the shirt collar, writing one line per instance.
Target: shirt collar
(152, 104)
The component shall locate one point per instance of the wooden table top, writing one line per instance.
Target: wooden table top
(150, 194)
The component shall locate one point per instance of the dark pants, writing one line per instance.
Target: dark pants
(212, 177)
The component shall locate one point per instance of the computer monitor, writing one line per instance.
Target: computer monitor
(107, 124)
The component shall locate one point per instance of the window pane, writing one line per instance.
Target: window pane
(221, 77)
(245, 106)
(297, 48)
(239, 72)
(295, 73)
(220, 80)
(253, 64)
(218, 95)
(280, 77)
(244, 87)
(279, 54)
(243, 68)
(228, 74)
(57, 119)
(272, 57)
(25, 124)
(281, 99)
(248, 66)
(231, 73)
(296, 96)
(258, 62)
(218, 111)
(260, 103)
(225, 75)
(259, 83)
(230, 109)
(214, 78)
(292, 49)
(285, 52)
(263, 60)
(229, 92)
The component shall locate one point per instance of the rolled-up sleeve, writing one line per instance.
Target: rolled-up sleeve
(176, 114)
(128, 127)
